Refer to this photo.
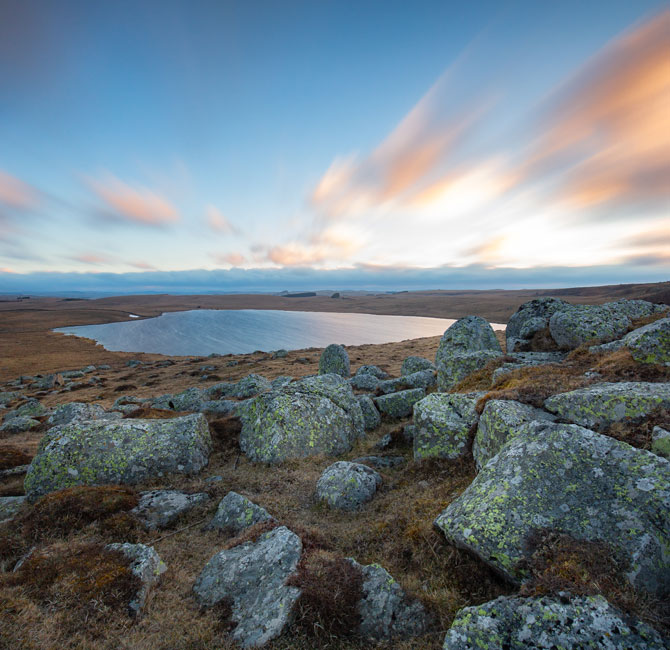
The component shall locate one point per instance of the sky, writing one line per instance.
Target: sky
(261, 145)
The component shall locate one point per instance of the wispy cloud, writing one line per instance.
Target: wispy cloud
(218, 221)
(234, 259)
(94, 259)
(14, 193)
(134, 204)
(145, 266)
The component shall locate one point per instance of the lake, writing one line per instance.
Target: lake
(204, 331)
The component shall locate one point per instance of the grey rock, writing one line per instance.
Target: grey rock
(31, 409)
(218, 391)
(651, 343)
(104, 366)
(562, 621)
(66, 413)
(88, 369)
(571, 480)
(660, 442)
(414, 364)
(9, 507)
(442, 422)
(419, 379)
(18, 425)
(100, 452)
(280, 354)
(236, 513)
(408, 433)
(531, 317)
(375, 371)
(371, 417)
(468, 345)
(252, 577)
(400, 404)
(14, 471)
(72, 374)
(46, 383)
(381, 462)
(188, 400)
(500, 421)
(384, 442)
(599, 405)
(334, 360)
(386, 611)
(281, 381)
(146, 565)
(364, 382)
(219, 407)
(160, 508)
(347, 486)
(133, 363)
(315, 415)
(250, 386)
(6, 397)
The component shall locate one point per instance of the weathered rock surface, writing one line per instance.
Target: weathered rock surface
(147, 566)
(66, 413)
(385, 609)
(334, 360)
(651, 343)
(100, 452)
(419, 379)
(252, 577)
(400, 404)
(347, 486)
(188, 400)
(18, 425)
(414, 364)
(375, 371)
(599, 405)
(524, 359)
(381, 462)
(365, 381)
(6, 397)
(660, 442)
(316, 415)
(31, 409)
(468, 345)
(442, 422)
(572, 480)
(250, 386)
(530, 318)
(500, 421)
(236, 512)
(371, 417)
(160, 508)
(9, 506)
(563, 621)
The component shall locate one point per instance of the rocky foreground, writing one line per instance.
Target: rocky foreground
(483, 499)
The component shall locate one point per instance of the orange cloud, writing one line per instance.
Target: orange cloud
(15, 193)
(218, 221)
(6, 269)
(91, 258)
(134, 204)
(143, 265)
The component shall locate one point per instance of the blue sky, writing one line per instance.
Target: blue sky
(476, 144)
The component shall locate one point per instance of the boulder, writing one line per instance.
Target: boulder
(651, 343)
(468, 345)
(281, 381)
(146, 565)
(386, 611)
(371, 417)
(375, 371)
(219, 407)
(660, 442)
(6, 397)
(500, 421)
(525, 359)
(419, 379)
(66, 413)
(442, 423)
(160, 508)
(400, 404)
(599, 405)
(381, 462)
(364, 382)
(18, 425)
(530, 318)
(571, 480)
(188, 400)
(250, 386)
(252, 579)
(31, 409)
(414, 364)
(561, 621)
(334, 360)
(347, 486)
(316, 415)
(236, 512)
(9, 507)
(100, 452)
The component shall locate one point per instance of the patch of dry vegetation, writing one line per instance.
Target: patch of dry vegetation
(12, 456)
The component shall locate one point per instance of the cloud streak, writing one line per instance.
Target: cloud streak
(14, 193)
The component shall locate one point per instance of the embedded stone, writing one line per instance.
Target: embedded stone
(375, 371)
(530, 318)
(236, 512)
(574, 481)
(250, 386)
(188, 400)
(18, 425)
(651, 343)
(419, 379)
(9, 507)
(660, 442)
(364, 381)
(371, 417)
(414, 364)
(334, 360)
(66, 413)
(160, 508)
(400, 404)
(347, 486)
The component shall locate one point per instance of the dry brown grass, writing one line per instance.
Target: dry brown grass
(12, 456)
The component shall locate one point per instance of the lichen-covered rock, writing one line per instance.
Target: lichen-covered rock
(468, 345)
(7, 397)
(386, 611)
(18, 425)
(31, 409)
(334, 360)
(500, 421)
(371, 417)
(524, 359)
(281, 381)
(442, 422)
(219, 407)
(530, 318)
(147, 566)
(218, 391)
(160, 508)
(9, 506)
(347, 486)
(574, 325)
(400, 404)
(571, 480)
(419, 379)
(364, 381)
(381, 462)
(250, 386)
(599, 405)
(651, 343)
(660, 442)
(316, 415)
(252, 578)
(188, 400)
(66, 413)
(236, 512)
(562, 621)
(375, 371)
(414, 364)
(128, 451)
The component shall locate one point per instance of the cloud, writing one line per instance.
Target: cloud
(14, 193)
(333, 244)
(134, 204)
(92, 258)
(218, 221)
(6, 269)
(143, 265)
(234, 259)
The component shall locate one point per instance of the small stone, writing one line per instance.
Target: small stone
(334, 360)
(660, 442)
(347, 486)
(236, 512)
(400, 404)
(9, 507)
(414, 364)
(160, 508)
(371, 417)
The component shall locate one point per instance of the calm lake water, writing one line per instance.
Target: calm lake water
(203, 331)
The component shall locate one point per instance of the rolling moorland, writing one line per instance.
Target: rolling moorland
(526, 467)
